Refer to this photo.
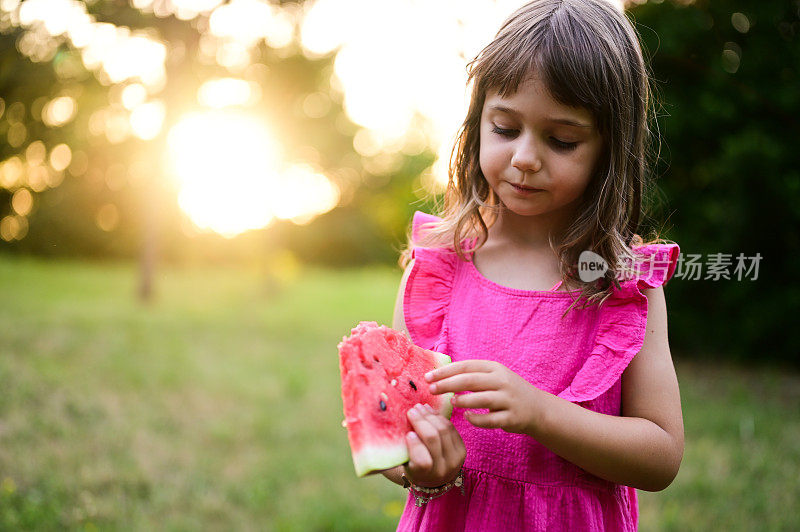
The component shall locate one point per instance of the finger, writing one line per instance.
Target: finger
(493, 400)
(447, 433)
(466, 382)
(419, 458)
(453, 449)
(492, 420)
(453, 446)
(427, 432)
(462, 366)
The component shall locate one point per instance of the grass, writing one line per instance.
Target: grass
(218, 407)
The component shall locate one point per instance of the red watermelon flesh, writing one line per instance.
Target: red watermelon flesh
(383, 376)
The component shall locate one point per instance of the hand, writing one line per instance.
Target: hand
(512, 401)
(435, 449)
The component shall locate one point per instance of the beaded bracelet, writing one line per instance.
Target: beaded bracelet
(432, 493)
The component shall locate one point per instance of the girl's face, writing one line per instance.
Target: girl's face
(523, 141)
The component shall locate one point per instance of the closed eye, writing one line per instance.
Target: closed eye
(511, 133)
(566, 146)
(504, 132)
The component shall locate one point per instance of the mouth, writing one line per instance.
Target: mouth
(524, 189)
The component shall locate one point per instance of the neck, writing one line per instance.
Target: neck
(530, 232)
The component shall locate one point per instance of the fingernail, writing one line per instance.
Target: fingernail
(429, 408)
(429, 376)
(413, 412)
(433, 388)
(412, 435)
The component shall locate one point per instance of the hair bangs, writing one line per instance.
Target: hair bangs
(505, 72)
(566, 72)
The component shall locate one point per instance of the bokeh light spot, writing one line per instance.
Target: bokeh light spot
(13, 228)
(59, 111)
(17, 133)
(133, 95)
(22, 202)
(60, 157)
(107, 217)
(146, 119)
(35, 153)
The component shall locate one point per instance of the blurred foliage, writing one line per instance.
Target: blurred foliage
(730, 168)
(728, 176)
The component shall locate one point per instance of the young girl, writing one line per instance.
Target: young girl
(566, 399)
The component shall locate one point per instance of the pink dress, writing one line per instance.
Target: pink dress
(513, 482)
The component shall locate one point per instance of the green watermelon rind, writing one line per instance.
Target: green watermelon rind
(371, 459)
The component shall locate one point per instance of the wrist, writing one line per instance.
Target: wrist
(407, 481)
(422, 495)
(394, 474)
(539, 415)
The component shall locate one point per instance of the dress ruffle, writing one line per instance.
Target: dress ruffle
(428, 288)
(623, 322)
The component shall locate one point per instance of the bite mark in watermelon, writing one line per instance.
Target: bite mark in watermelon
(383, 376)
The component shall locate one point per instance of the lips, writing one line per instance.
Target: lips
(523, 187)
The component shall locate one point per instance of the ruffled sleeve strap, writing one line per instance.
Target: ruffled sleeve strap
(656, 265)
(622, 324)
(427, 293)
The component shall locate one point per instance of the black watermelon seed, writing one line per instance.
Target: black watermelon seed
(383, 405)
(413, 385)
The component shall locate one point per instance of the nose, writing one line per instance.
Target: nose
(526, 156)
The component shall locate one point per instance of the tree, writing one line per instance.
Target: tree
(728, 75)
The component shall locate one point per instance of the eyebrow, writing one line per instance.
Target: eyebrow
(514, 112)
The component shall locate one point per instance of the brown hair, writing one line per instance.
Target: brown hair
(587, 54)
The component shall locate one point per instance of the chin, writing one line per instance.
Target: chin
(521, 210)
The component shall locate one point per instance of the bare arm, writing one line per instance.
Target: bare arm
(399, 324)
(643, 448)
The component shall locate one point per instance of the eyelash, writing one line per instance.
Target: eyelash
(565, 146)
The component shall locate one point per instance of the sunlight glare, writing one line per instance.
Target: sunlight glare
(243, 20)
(302, 193)
(146, 119)
(226, 164)
(232, 177)
(223, 92)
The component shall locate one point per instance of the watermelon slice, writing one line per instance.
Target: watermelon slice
(383, 376)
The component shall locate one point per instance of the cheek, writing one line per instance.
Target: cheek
(576, 178)
(577, 170)
(491, 158)
(573, 175)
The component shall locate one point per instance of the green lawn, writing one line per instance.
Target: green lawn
(218, 407)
